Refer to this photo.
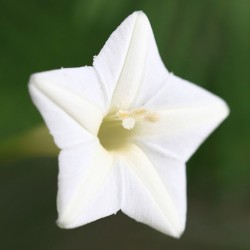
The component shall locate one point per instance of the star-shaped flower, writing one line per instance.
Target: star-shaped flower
(125, 127)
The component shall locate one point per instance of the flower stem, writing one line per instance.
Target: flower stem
(34, 143)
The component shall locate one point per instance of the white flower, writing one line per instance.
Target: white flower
(125, 127)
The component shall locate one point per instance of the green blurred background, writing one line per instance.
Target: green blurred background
(204, 41)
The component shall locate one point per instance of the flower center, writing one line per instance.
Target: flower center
(117, 129)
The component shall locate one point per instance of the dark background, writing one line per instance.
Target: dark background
(206, 42)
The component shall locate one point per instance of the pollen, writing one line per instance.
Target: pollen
(128, 123)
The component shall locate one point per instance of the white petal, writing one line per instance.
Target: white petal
(125, 63)
(154, 74)
(187, 115)
(110, 61)
(145, 196)
(71, 102)
(172, 172)
(87, 185)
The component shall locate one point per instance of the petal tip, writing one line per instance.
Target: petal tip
(224, 109)
(178, 232)
(36, 79)
(63, 223)
(177, 228)
(32, 79)
(142, 16)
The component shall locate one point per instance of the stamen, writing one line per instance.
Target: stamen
(123, 114)
(152, 117)
(140, 112)
(129, 118)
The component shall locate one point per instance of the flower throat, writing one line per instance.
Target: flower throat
(116, 129)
